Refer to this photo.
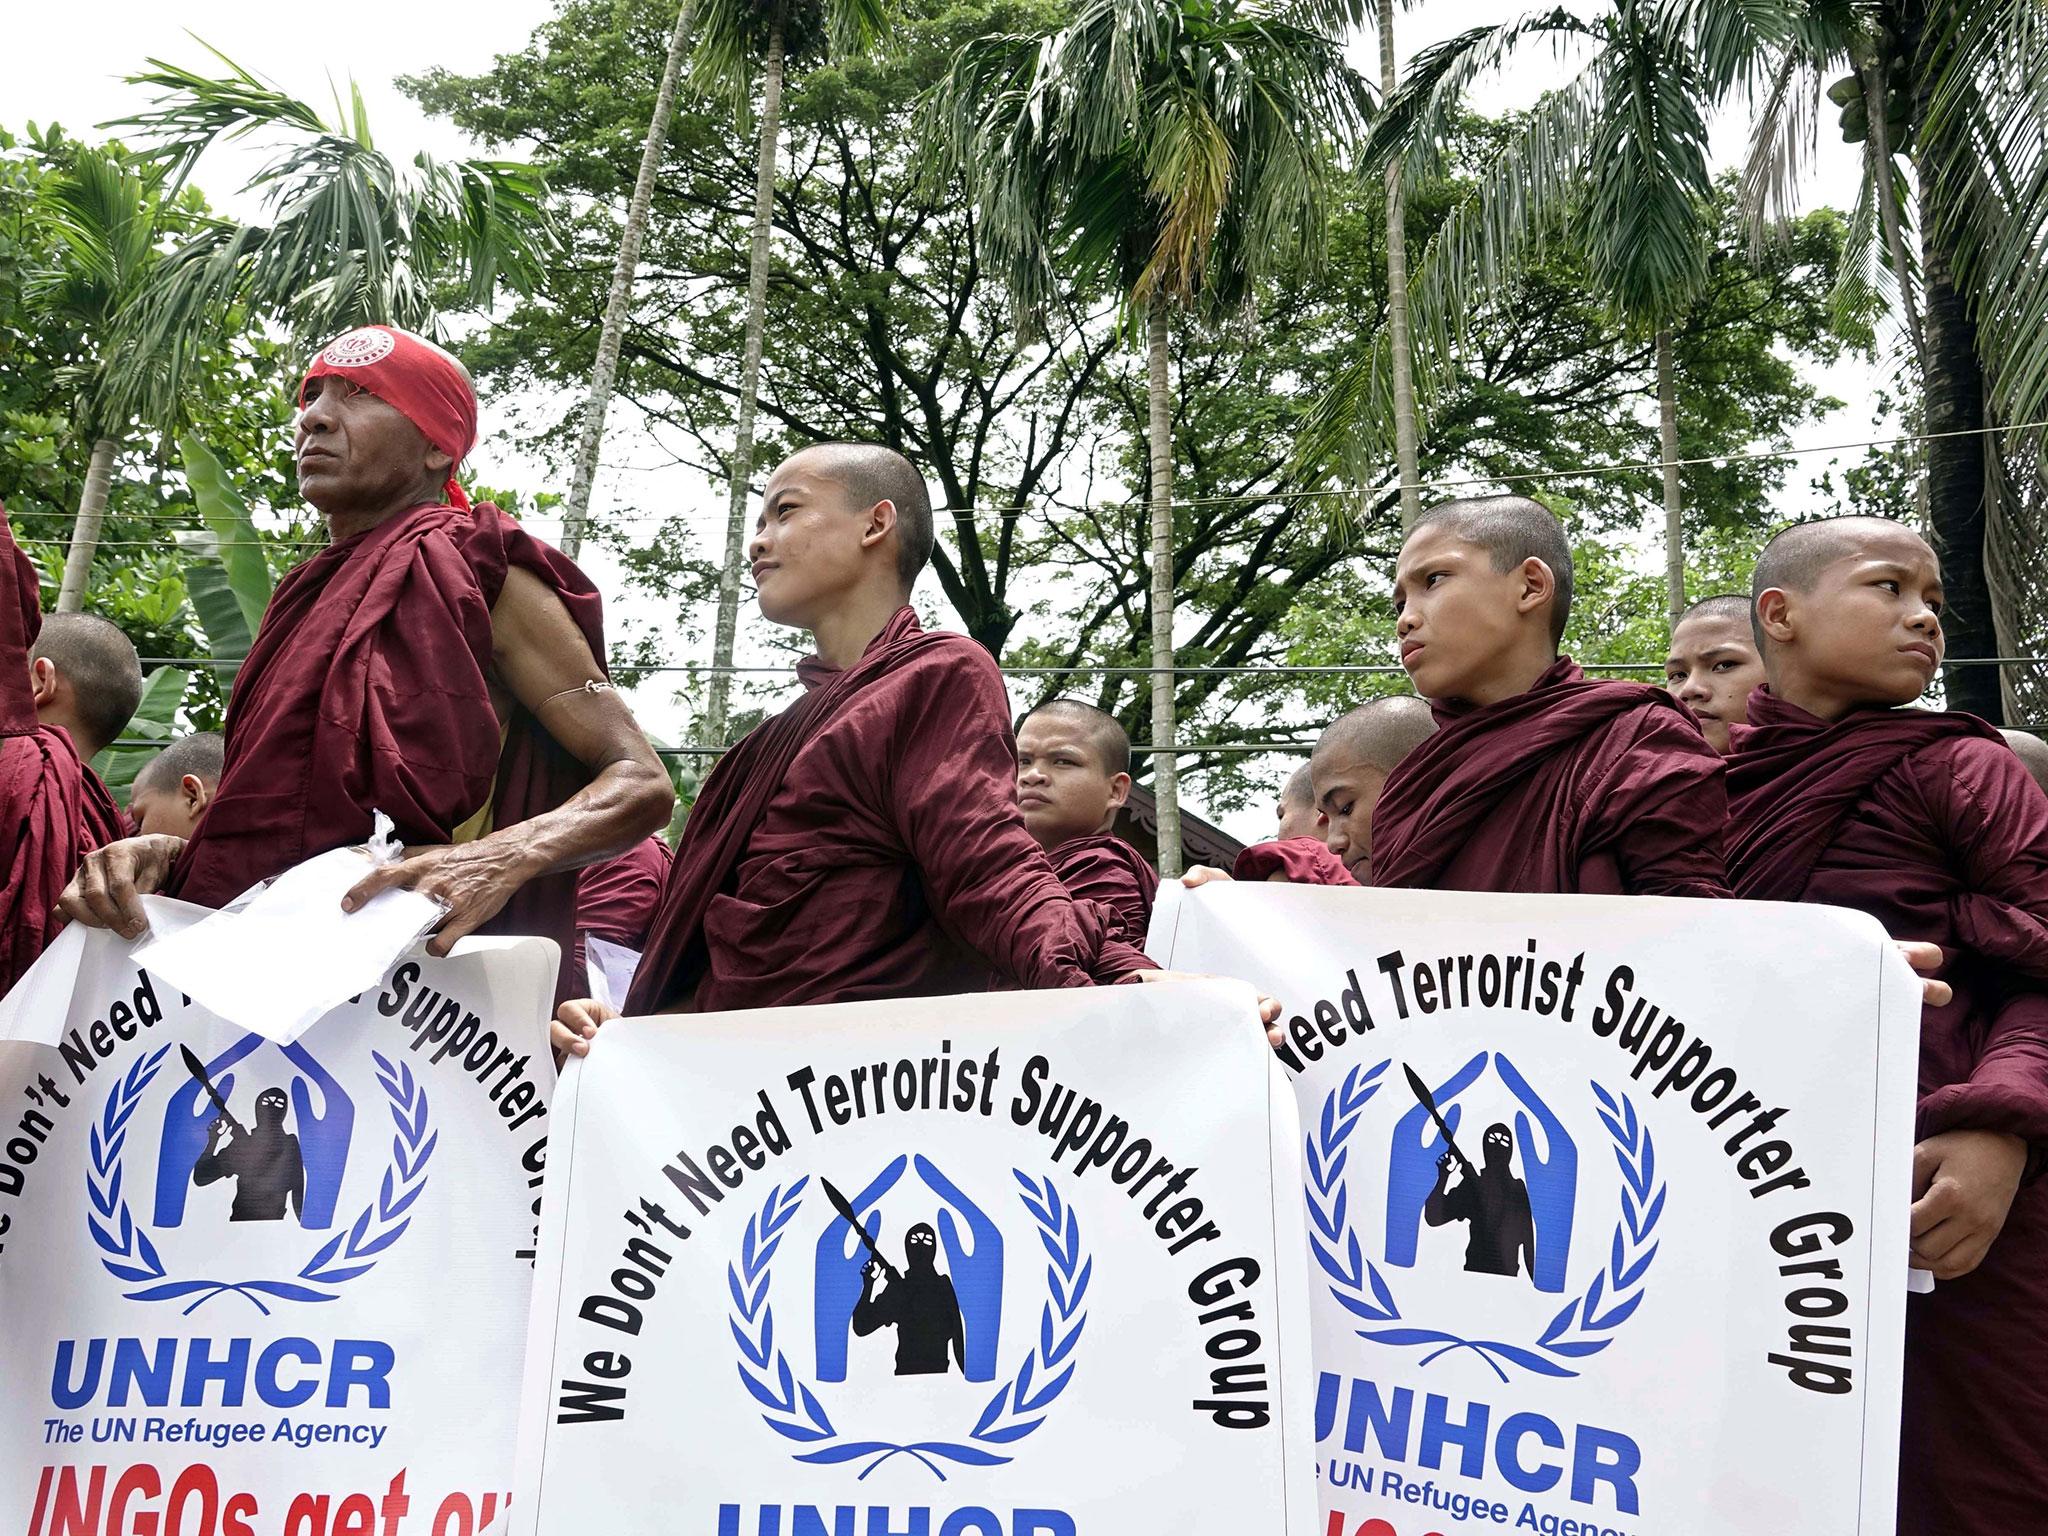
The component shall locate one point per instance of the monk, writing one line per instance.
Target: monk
(1712, 664)
(2032, 752)
(1297, 809)
(1073, 776)
(865, 842)
(615, 903)
(1538, 778)
(435, 662)
(56, 711)
(176, 786)
(1842, 793)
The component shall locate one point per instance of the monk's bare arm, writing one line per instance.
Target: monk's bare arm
(540, 655)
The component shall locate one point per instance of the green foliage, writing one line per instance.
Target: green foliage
(155, 722)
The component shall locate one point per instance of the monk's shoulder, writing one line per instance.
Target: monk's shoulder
(953, 672)
(1972, 778)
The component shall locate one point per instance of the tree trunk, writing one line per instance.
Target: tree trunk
(604, 373)
(85, 533)
(1159, 409)
(1398, 338)
(1674, 501)
(1879, 145)
(1956, 486)
(740, 469)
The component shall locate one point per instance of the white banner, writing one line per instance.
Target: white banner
(255, 1289)
(1653, 1279)
(1073, 1313)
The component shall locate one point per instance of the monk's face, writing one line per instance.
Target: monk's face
(1347, 788)
(1867, 632)
(1712, 666)
(1301, 819)
(1460, 620)
(1063, 787)
(813, 543)
(358, 456)
(173, 808)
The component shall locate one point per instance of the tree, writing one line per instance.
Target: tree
(733, 29)
(605, 371)
(1177, 151)
(1615, 161)
(1400, 339)
(354, 239)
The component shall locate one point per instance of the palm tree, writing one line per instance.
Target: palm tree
(1614, 160)
(1955, 88)
(611, 337)
(734, 34)
(1400, 342)
(354, 238)
(1174, 148)
(108, 220)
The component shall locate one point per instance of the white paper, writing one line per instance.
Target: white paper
(292, 954)
(43, 1006)
(611, 969)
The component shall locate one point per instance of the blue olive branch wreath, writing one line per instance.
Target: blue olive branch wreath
(127, 1252)
(793, 1409)
(1587, 1323)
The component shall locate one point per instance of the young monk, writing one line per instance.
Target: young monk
(1927, 821)
(435, 662)
(1297, 810)
(175, 787)
(1073, 776)
(1538, 779)
(866, 842)
(55, 712)
(1712, 664)
(2032, 752)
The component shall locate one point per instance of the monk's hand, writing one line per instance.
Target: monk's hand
(1269, 1008)
(1926, 959)
(575, 1025)
(473, 881)
(108, 889)
(1963, 1185)
(1202, 874)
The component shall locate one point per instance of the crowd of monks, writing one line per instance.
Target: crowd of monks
(894, 833)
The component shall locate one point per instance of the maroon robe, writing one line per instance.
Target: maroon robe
(1929, 823)
(616, 897)
(1105, 869)
(53, 808)
(866, 843)
(1301, 860)
(1576, 786)
(368, 689)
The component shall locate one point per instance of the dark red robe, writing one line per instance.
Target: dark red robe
(866, 843)
(1301, 860)
(54, 809)
(368, 689)
(616, 897)
(1929, 823)
(1575, 786)
(1105, 869)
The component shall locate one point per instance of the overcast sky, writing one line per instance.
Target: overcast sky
(65, 63)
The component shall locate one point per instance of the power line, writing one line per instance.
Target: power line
(1250, 669)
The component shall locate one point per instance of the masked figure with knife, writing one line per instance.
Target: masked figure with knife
(264, 1162)
(919, 1303)
(1503, 1240)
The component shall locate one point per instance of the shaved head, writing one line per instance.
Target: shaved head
(99, 665)
(873, 473)
(1511, 529)
(200, 754)
(1722, 605)
(1795, 557)
(1379, 732)
(1299, 792)
(2032, 752)
(1110, 742)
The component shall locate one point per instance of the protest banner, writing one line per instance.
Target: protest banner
(946, 1266)
(267, 1289)
(1606, 1202)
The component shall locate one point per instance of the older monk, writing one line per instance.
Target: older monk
(434, 662)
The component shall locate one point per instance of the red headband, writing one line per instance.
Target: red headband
(412, 376)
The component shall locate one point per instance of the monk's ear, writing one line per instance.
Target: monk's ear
(1119, 790)
(194, 789)
(1774, 615)
(1538, 586)
(42, 681)
(880, 522)
(439, 464)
